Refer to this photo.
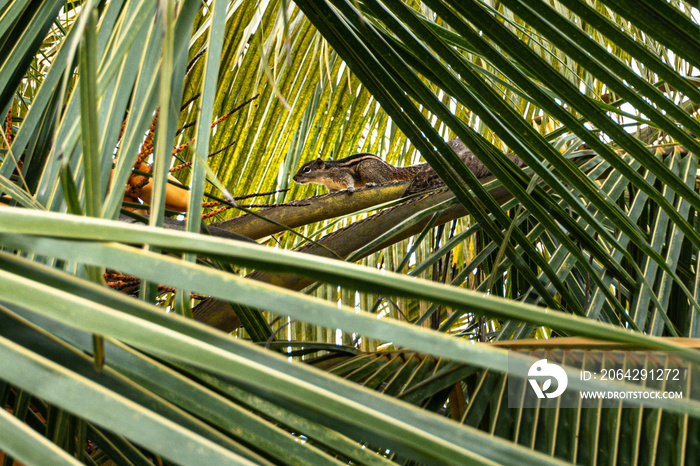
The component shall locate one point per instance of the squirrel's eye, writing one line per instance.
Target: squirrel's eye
(307, 169)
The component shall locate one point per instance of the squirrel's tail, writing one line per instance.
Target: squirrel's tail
(408, 173)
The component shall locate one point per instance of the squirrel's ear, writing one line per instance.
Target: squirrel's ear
(319, 162)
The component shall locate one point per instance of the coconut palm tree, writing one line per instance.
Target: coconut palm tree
(256, 320)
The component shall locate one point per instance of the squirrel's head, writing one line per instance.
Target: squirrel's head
(310, 171)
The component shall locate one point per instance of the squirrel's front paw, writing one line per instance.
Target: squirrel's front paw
(350, 189)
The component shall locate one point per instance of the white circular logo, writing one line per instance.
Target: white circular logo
(552, 371)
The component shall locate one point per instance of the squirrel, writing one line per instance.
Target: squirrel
(426, 179)
(365, 169)
(353, 172)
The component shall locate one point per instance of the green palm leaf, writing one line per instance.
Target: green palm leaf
(366, 314)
